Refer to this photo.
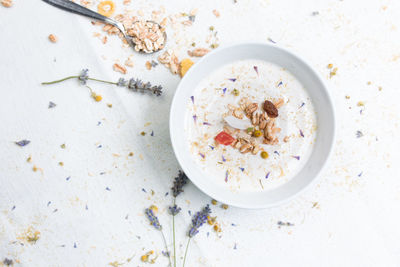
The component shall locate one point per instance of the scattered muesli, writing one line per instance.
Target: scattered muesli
(53, 38)
(147, 36)
(198, 52)
(7, 3)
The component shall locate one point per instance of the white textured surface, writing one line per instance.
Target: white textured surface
(355, 222)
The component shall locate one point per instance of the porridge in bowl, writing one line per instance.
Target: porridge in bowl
(271, 130)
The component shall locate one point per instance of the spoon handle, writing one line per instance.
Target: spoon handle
(78, 9)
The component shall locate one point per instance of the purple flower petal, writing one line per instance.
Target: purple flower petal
(23, 142)
(224, 90)
(152, 133)
(242, 169)
(232, 79)
(272, 41)
(256, 69)
(223, 158)
(52, 104)
(280, 83)
(69, 177)
(207, 123)
(226, 176)
(195, 118)
(296, 157)
(108, 189)
(276, 152)
(302, 105)
(301, 133)
(192, 98)
(202, 155)
(212, 148)
(266, 176)
(361, 173)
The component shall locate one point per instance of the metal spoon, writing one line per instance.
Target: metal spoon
(78, 9)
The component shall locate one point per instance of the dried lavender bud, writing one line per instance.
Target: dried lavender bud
(174, 210)
(153, 219)
(198, 220)
(179, 182)
(23, 142)
(83, 77)
(153, 63)
(8, 262)
(52, 104)
(122, 82)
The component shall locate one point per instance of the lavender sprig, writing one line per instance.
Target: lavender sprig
(197, 221)
(132, 84)
(176, 189)
(156, 224)
(153, 219)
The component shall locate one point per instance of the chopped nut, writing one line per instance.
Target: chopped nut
(198, 52)
(119, 68)
(104, 40)
(286, 139)
(262, 124)
(7, 3)
(126, 2)
(53, 38)
(255, 118)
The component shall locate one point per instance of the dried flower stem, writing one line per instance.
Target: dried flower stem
(173, 234)
(57, 81)
(166, 247)
(186, 250)
(72, 77)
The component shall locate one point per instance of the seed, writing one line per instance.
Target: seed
(143, 133)
(61, 163)
(217, 228)
(330, 65)
(224, 206)
(235, 92)
(211, 28)
(130, 154)
(264, 154)
(34, 168)
(257, 133)
(214, 202)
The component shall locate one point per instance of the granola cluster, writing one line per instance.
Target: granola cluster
(264, 130)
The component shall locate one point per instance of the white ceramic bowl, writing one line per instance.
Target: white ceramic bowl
(311, 82)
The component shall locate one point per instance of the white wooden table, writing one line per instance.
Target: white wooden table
(95, 217)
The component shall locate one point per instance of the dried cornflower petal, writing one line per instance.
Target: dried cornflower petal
(23, 142)
(52, 104)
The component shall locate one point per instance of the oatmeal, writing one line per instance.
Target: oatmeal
(279, 126)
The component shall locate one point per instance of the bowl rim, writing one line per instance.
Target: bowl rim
(329, 101)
